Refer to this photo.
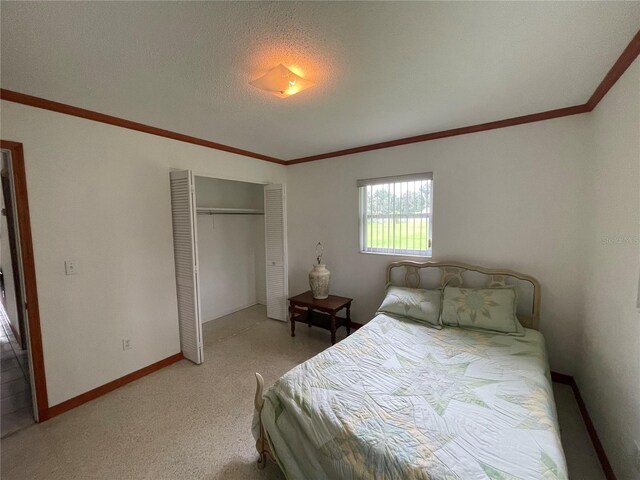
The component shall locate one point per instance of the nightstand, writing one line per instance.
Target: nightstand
(320, 313)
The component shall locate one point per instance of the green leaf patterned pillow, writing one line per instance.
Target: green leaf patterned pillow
(419, 305)
(492, 309)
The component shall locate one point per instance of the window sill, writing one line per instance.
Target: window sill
(399, 255)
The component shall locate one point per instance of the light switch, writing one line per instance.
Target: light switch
(70, 267)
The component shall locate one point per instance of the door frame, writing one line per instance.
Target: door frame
(9, 208)
(36, 353)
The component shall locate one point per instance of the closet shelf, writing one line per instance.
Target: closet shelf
(228, 211)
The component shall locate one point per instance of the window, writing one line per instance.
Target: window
(395, 215)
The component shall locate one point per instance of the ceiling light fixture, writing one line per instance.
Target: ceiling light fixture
(282, 82)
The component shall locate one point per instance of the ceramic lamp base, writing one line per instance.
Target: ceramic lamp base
(319, 281)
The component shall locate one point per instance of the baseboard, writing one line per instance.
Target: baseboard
(233, 310)
(356, 325)
(602, 455)
(562, 378)
(108, 387)
(16, 333)
(586, 418)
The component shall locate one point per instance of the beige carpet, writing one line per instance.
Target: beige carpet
(193, 422)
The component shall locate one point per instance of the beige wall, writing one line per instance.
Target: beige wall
(99, 195)
(608, 370)
(504, 198)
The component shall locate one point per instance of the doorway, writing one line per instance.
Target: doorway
(23, 387)
(17, 406)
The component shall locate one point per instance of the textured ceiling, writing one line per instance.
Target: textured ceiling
(383, 70)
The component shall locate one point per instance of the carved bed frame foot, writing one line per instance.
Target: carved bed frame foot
(262, 446)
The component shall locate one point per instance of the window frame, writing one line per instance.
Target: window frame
(363, 201)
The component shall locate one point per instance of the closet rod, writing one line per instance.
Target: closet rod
(228, 211)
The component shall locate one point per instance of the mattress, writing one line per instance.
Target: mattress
(400, 400)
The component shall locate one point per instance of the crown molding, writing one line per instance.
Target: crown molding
(45, 104)
(482, 127)
(623, 62)
(617, 70)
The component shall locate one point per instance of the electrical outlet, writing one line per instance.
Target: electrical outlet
(70, 267)
(126, 343)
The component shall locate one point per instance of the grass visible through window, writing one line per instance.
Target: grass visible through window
(409, 233)
(396, 215)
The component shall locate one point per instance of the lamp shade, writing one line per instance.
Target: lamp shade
(281, 82)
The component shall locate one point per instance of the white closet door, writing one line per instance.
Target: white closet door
(276, 251)
(185, 247)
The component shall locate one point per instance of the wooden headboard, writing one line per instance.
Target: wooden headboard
(436, 274)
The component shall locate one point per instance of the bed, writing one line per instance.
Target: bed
(398, 399)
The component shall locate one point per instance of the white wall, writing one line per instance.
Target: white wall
(223, 193)
(532, 198)
(504, 198)
(99, 195)
(230, 247)
(608, 370)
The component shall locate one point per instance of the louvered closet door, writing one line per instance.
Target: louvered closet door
(185, 249)
(276, 251)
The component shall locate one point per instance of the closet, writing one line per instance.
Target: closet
(230, 251)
